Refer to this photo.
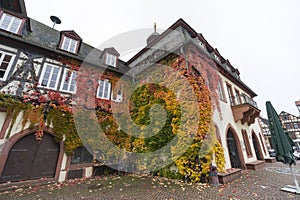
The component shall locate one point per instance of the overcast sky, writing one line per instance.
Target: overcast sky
(259, 37)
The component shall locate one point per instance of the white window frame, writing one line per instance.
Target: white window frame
(9, 64)
(111, 60)
(217, 57)
(105, 83)
(50, 76)
(69, 81)
(220, 90)
(202, 45)
(71, 41)
(119, 97)
(13, 20)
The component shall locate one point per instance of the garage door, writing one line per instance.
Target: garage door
(29, 159)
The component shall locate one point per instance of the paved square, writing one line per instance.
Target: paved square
(260, 184)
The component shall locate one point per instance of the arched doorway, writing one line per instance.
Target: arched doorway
(233, 150)
(29, 159)
(256, 146)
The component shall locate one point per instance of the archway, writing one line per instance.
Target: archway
(233, 150)
(257, 147)
(29, 159)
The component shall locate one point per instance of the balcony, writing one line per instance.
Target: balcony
(244, 108)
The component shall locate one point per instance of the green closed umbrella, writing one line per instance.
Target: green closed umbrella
(282, 144)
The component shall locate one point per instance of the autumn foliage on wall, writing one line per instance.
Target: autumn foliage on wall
(51, 108)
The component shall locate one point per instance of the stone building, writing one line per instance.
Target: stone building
(40, 65)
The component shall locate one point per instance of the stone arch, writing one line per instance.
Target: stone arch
(9, 144)
(234, 148)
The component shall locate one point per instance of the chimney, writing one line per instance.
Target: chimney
(298, 105)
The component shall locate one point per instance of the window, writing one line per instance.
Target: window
(6, 61)
(118, 97)
(230, 95)
(111, 60)
(10, 23)
(81, 155)
(216, 57)
(296, 125)
(247, 143)
(49, 76)
(104, 89)
(202, 45)
(69, 81)
(288, 126)
(69, 44)
(261, 139)
(220, 91)
(238, 97)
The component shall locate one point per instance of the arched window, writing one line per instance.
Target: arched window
(247, 143)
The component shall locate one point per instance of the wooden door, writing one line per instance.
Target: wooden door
(29, 159)
(233, 151)
(256, 147)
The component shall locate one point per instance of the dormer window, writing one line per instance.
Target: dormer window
(69, 44)
(216, 57)
(70, 41)
(11, 23)
(202, 45)
(111, 60)
(110, 56)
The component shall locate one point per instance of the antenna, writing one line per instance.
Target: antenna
(55, 20)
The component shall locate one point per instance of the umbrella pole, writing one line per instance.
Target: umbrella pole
(294, 176)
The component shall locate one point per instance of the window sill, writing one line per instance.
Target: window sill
(80, 165)
(69, 52)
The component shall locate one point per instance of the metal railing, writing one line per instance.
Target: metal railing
(242, 99)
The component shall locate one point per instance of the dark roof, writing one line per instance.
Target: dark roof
(264, 120)
(286, 113)
(16, 7)
(178, 23)
(47, 38)
(181, 23)
(71, 34)
(112, 51)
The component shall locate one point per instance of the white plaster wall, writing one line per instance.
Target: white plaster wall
(62, 176)
(88, 171)
(53, 61)
(8, 48)
(228, 120)
(64, 162)
(63, 172)
(17, 126)
(2, 119)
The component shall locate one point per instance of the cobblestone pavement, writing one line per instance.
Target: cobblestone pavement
(264, 183)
